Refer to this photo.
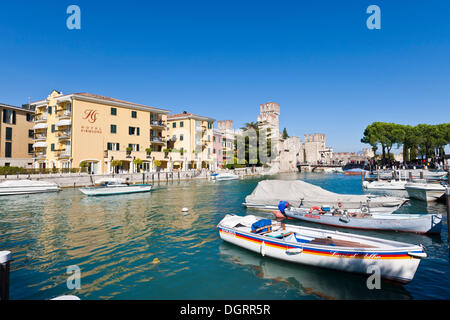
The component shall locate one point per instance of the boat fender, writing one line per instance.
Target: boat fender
(293, 251)
(263, 251)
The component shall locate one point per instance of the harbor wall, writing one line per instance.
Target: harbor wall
(73, 180)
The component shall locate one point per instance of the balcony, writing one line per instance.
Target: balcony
(66, 114)
(63, 154)
(39, 118)
(64, 135)
(40, 155)
(40, 137)
(156, 123)
(158, 140)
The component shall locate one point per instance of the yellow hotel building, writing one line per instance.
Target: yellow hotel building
(190, 137)
(93, 130)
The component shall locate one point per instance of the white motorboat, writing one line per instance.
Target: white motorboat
(224, 176)
(384, 185)
(16, 187)
(114, 187)
(268, 194)
(322, 248)
(416, 223)
(425, 191)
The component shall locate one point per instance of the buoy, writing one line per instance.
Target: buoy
(184, 210)
(155, 261)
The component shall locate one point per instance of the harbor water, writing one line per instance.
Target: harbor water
(142, 246)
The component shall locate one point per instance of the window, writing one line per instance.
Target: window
(133, 131)
(112, 146)
(113, 128)
(181, 124)
(8, 134)
(214, 150)
(52, 147)
(49, 110)
(181, 137)
(29, 117)
(133, 114)
(9, 116)
(174, 125)
(8, 150)
(134, 147)
(114, 111)
(53, 128)
(30, 148)
(7, 164)
(30, 133)
(209, 125)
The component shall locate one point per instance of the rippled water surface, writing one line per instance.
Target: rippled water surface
(141, 246)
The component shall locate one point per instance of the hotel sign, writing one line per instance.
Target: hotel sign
(91, 115)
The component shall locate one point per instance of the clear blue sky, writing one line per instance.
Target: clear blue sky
(222, 59)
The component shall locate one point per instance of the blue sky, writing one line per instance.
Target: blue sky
(222, 59)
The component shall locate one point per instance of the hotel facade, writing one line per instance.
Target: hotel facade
(100, 133)
(190, 141)
(16, 136)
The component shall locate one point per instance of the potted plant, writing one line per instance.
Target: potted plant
(138, 163)
(149, 152)
(129, 150)
(116, 164)
(166, 152)
(157, 164)
(84, 166)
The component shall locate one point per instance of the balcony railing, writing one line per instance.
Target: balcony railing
(40, 155)
(157, 140)
(64, 135)
(41, 118)
(63, 154)
(64, 114)
(40, 137)
(157, 123)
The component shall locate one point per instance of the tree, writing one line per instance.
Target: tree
(285, 134)
(116, 164)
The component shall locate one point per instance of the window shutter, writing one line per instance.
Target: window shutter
(137, 130)
(14, 117)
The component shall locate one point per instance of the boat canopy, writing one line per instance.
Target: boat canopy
(271, 192)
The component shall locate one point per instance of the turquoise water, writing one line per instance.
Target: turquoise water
(141, 246)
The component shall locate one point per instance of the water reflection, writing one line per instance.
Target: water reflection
(321, 283)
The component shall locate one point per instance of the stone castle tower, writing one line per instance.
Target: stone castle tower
(269, 118)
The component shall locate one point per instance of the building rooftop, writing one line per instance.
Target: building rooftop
(104, 98)
(186, 115)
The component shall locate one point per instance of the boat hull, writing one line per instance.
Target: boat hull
(28, 190)
(429, 223)
(396, 265)
(372, 209)
(109, 191)
(379, 185)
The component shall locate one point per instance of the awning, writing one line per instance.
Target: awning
(40, 144)
(40, 126)
(177, 163)
(65, 122)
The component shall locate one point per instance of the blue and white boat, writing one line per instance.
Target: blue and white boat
(114, 187)
(348, 252)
